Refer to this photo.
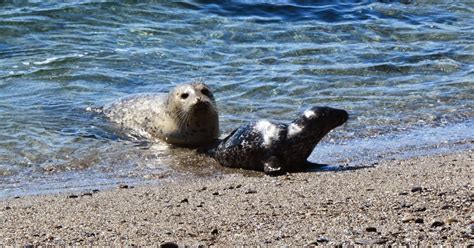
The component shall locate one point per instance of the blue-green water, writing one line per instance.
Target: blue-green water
(403, 70)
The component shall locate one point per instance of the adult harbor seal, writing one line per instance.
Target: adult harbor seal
(277, 148)
(187, 116)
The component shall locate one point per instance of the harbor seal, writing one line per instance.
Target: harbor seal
(276, 148)
(186, 116)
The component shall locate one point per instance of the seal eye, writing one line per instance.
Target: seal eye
(184, 96)
(205, 92)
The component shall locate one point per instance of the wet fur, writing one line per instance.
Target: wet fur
(189, 122)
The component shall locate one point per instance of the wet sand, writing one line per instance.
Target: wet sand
(425, 200)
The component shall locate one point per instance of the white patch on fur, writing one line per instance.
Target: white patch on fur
(268, 130)
(309, 113)
(293, 130)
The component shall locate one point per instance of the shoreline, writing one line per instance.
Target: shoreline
(422, 200)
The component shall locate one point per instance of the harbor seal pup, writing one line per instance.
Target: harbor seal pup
(186, 116)
(276, 148)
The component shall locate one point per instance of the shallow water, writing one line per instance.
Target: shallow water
(403, 70)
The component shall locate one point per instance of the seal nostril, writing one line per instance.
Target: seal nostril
(205, 92)
(184, 95)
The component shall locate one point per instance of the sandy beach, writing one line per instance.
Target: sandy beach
(425, 200)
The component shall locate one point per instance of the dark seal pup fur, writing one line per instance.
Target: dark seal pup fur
(277, 148)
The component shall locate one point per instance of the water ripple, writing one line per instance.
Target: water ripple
(398, 67)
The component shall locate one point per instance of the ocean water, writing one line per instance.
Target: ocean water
(404, 70)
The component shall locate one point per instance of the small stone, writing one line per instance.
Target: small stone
(250, 191)
(185, 200)
(58, 227)
(169, 245)
(72, 196)
(471, 227)
(86, 194)
(147, 176)
(403, 193)
(437, 223)
(420, 209)
(123, 186)
(215, 193)
(371, 242)
(371, 229)
(451, 220)
(7, 208)
(95, 191)
(214, 231)
(419, 221)
(416, 189)
(407, 219)
(447, 206)
(322, 240)
(238, 186)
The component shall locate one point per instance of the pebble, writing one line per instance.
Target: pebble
(7, 208)
(169, 245)
(451, 220)
(416, 189)
(250, 191)
(123, 186)
(420, 209)
(370, 242)
(185, 200)
(419, 220)
(72, 196)
(214, 231)
(407, 219)
(437, 223)
(215, 193)
(322, 240)
(371, 229)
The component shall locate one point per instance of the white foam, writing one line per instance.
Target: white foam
(46, 61)
(293, 129)
(268, 130)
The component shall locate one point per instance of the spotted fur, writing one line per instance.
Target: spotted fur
(277, 147)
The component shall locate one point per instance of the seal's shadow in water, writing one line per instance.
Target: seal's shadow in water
(310, 167)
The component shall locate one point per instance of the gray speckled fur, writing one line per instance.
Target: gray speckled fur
(276, 147)
(160, 116)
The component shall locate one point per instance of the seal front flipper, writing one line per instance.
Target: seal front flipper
(273, 167)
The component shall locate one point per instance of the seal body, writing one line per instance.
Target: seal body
(186, 116)
(277, 147)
